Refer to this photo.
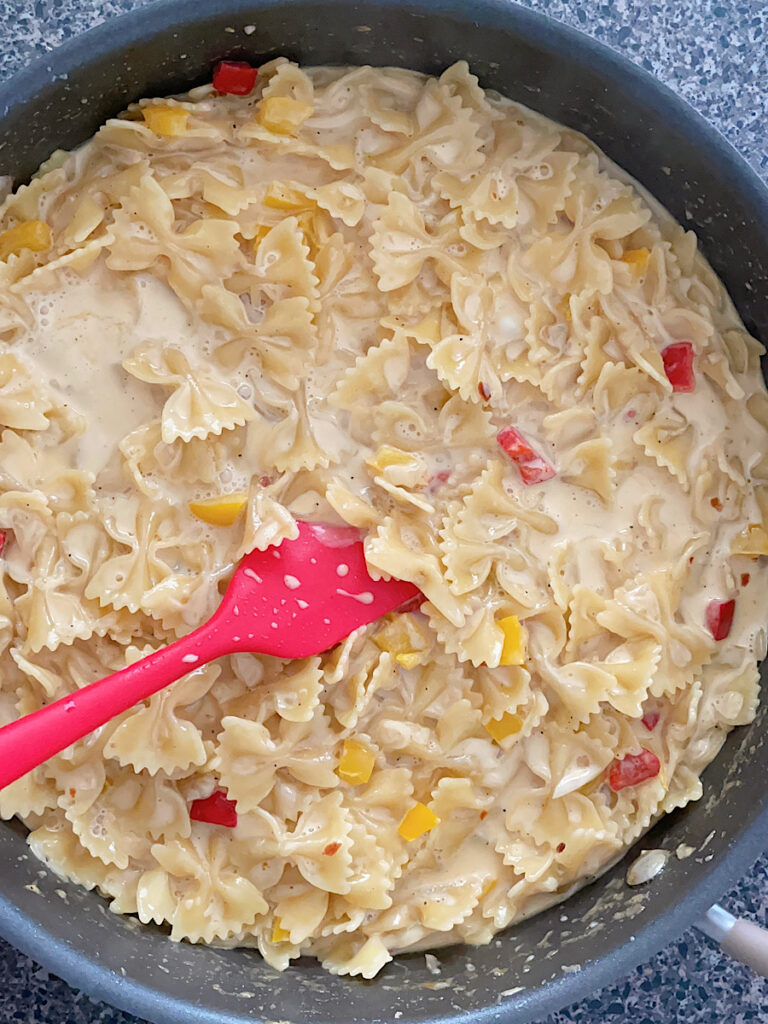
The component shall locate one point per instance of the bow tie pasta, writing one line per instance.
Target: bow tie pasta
(369, 297)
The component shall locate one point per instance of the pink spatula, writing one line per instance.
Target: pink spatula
(291, 601)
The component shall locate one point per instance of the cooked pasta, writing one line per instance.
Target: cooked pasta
(370, 297)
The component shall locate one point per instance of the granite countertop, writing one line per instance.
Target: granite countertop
(714, 53)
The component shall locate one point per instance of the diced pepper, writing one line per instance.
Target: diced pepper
(752, 541)
(650, 720)
(745, 577)
(633, 769)
(418, 821)
(513, 651)
(401, 638)
(720, 618)
(534, 468)
(216, 809)
(283, 115)
(222, 511)
(387, 456)
(356, 764)
(34, 235)
(234, 77)
(279, 934)
(678, 366)
(637, 260)
(483, 391)
(500, 728)
(395, 637)
(168, 121)
(408, 659)
(280, 196)
(331, 849)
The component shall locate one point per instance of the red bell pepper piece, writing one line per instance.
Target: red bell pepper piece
(678, 366)
(534, 468)
(720, 618)
(216, 809)
(650, 720)
(633, 769)
(234, 77)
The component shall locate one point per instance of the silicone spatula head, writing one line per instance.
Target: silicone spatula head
(305, 595)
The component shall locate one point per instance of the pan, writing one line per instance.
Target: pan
(606, 928)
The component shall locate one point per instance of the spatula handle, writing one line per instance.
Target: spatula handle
(31, 740)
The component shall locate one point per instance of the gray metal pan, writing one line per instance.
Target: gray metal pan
(547, 961)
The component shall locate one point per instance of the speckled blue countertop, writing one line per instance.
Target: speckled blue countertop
(714, 53)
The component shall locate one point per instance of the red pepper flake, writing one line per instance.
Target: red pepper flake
(332, 848)
(439, 478)
(534, 468)
(265, 481)
(633, 769)
(216, 809)
(631, 414)
(678, 366)
(745, 579)
(483, 815)
(483, 391)
(2, 540)
(73, 793)
(560, 847)
(650, 720)
(720, 618)
(690, 560)
(234, 77)
(716, 503)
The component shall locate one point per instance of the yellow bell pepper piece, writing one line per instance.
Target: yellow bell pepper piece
(637, 259)
(280, 196)
(507, 725)
(356, 764)
(387, 456)
(418, 821)
(279, 934)
(513, 651)
(408, 659)
(223, 511)
(400, 638)
(752, 541)
(34, 235)
(168, 121)
(283, 115)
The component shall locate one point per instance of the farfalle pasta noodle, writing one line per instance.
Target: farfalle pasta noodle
(328, 298)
